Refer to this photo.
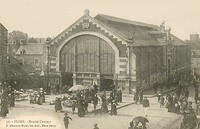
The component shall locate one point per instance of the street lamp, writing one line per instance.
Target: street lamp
(129, 46)
(48, 62)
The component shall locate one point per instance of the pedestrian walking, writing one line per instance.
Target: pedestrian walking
(131, 125)
(162, 101)
(196, 95)
(43, 95)
(95, 88)
(58, 105)
(177, 108)
(104, 107)
(95, 101)
(5, 93)
(120, 96)
(186, 92)
(113, 109)
(81, 110)
(57, 88)
(95, 126)
(4, 107)
(184, 105)
(159, 95)
(169, 102)
(73, 106)
(155, 87)
(12, 101)
(85, 103)
(145, 105)
(136, 97)
(66, 120)
(141, 96)
(39, 99)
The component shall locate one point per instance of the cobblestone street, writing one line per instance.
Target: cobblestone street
(45, 112)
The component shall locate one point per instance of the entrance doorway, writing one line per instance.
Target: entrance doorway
(67, 79)
(106, 84)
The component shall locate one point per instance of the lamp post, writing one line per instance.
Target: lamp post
(48, 57)
(129, 46)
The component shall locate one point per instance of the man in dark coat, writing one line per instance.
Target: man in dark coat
(66, 120)
(85, 104)
(104, 103)
(131, 125)
(42, 95)
(95, 126)
(57, 87)
(141, 96)
(58, 105)
(120, 96)
(169, 102)
(5, 92)
(95, 101)
(196, 95)
(73, 106)
(12, 99)
(95, 88)
(4, 107)
(145, 105)
(113, 109)
(186, 92)
(136, 97)
(39, 99)
(155, 87)
(81, 111)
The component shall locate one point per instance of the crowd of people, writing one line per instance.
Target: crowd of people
(179, 102)
(81, 99)
(7, 99)
(37, 97)
(176, 102)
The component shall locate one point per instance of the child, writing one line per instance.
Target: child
(66, 120)
(162, 100)
(73, 106)
(113, 109)
(95, 126)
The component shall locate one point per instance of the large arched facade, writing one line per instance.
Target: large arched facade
(87, 54)
(107, 50)
(89, 59)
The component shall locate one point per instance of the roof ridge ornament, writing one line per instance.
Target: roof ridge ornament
(162, 26)
(87, 12)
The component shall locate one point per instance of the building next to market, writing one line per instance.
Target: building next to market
(194, 44)
(3, 52)
(35, 61)
(9, 66)
(31, 55)
(108, 50)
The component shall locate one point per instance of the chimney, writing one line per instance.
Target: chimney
(194, 37)
(162, 26)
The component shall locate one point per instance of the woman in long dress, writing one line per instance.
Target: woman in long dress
(104, 107)
(58, 106)
(4, 107)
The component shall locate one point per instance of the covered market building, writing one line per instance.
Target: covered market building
(107, 50)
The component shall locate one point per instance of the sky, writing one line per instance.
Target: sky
(47, 18)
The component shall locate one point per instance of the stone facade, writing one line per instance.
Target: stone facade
(3, 51)
(107, 50)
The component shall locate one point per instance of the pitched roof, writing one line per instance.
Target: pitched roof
(1, 25)
(142, 33)
(31, 48)
(195, 45)
(116, 19)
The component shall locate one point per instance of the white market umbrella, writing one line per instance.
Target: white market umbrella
(77, 88)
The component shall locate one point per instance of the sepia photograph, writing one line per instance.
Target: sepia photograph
(99, 64)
